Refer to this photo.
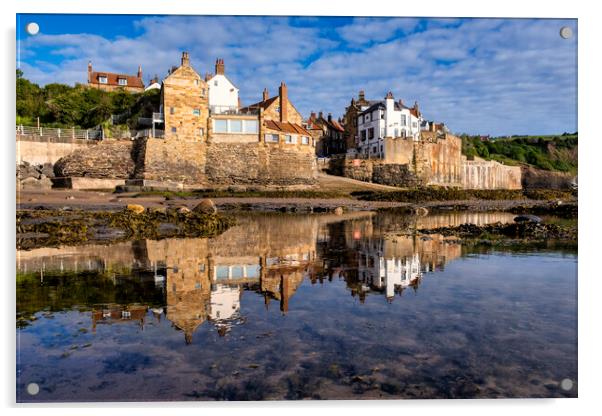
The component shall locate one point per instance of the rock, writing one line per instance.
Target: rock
(527, 218)
(183, 210)
(25, 170)
(135, 208)
(206, 206)
(338, 211)
(70, 197)
(33, 183)
(422, 211)
(158, 210)
(48, 170)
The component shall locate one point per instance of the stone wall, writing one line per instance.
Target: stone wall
(376, 171)
(489, 174)
(542, 179)
(43, 150)
(261, 164)
(111, 159)
(172, 160)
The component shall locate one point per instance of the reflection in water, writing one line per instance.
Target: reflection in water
(205, 283)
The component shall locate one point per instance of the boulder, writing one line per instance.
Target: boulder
(33, 183)
(183, 210)
(206, 206)
(135, 208)
(48, 170)
(422, 211)
(338, 211)
(527, 218)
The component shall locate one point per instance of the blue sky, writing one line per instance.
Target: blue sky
(479, 76)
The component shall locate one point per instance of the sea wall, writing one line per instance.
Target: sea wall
(37, 150)
(109, 159)
(489, 174)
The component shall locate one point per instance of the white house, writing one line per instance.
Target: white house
(386, 119)
(223, 94)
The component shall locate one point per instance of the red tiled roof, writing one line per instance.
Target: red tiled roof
(285, 127)
(262, 104)
(113, 79)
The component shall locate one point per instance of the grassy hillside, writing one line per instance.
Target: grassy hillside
(59, 105)
(554, 153)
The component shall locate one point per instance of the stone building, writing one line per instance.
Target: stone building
(351, 116)
(328, 134)
(185, 103)
(110, 81)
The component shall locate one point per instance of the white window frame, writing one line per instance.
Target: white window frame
(304, 140)
(196, 111)
(122, 82)
(273, 138)
(103, 79)
(290, 139)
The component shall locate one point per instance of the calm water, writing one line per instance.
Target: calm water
(295, 307)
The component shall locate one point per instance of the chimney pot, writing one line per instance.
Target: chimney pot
(266, 94)
(361, 95)
(329, 117)
(185, 59)
(220, 67)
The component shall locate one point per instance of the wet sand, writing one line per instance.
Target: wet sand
(93, 200)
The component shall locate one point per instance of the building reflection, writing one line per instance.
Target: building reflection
(194, 281)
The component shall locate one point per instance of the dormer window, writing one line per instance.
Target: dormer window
(102, 79)
(215, 83)
(123, 81)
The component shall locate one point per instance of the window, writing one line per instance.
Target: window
(235, 126)
(396, 132)
(371, 133)
(122, 81)
(173, 129)
(414, 124)
(201, 132)
(403, 120)
(290, 139)
(172, 110)
(271, 138)
(277, 109)
(382, 132)
(203, 92)
(304, 140)
(196, 82)
(215, 83)
(382, 115)
(196, 112)
(363, 134)
(373, 149)
(251, 126)
(102, 79)
(220, 126)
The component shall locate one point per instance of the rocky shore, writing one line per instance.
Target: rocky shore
(37, 228)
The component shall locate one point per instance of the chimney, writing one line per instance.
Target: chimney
(416, 107)
(320, 115)
(89, 71)
(330, 117)
(266, 94)
(389, 96)
(283, 92)
(312, 116)
(400, 102)
(361, 95)
(140, 71)
(185, 59)
(220, 68)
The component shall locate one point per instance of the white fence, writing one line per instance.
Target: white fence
(58, 133)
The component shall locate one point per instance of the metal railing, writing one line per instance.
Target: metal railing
(59, 133)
